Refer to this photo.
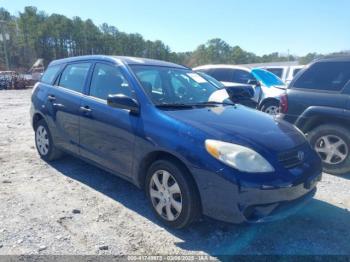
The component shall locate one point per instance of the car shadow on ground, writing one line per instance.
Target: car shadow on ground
(317, 228)
(347, 176)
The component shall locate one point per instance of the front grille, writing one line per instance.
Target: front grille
(292, 158)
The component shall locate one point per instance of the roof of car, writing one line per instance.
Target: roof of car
(118, 59)
(221, 66)
(342, 58)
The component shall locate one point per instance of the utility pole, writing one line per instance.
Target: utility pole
(5, 37)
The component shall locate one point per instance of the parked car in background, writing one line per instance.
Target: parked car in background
(6, 81)
(285, 73)
(318, 102)
(242, 94)
(267, 87)
(153, 123)
(12, 80)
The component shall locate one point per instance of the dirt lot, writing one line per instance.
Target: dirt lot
(71, 207)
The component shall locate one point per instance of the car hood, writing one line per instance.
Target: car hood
(273, 91)
(283, 87)
(229, 84)
(239, 124)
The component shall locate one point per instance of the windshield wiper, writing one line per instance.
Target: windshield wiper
(192, 105)
(174, 105)
(211, 103)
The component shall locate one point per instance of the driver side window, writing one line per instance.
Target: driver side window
(178, 87)
(108, 80)
(242, 77)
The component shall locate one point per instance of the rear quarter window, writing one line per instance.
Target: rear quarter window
(327, 76)
(50, 74)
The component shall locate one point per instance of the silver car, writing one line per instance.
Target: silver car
(267, 87)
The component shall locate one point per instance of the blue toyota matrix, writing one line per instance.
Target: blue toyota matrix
(169, 131)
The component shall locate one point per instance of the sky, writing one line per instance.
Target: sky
(259, 26)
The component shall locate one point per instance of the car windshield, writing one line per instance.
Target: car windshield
(212, 80)
(267, 78)
(173, 86)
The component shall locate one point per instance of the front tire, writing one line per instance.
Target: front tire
(332, 143)
(172, 194)
(44, 142)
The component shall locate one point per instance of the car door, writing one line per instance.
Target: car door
(243, 77)
(106, 133)
(63, 103)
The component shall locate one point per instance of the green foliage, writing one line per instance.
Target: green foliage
(35, 34)
(309, 58)
(55, 36)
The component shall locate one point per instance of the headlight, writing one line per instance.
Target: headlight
(239, 157)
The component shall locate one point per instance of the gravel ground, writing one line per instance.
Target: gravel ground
(71, 207)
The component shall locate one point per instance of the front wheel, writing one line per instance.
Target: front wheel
(172, 194)
(332, 143)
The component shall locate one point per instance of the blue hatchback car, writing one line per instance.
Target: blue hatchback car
(156, 125)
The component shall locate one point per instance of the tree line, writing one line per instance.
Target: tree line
(33, 34)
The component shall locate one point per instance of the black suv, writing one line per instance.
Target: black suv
(318, 102)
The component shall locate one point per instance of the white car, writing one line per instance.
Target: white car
(286, 73)
(267, 87)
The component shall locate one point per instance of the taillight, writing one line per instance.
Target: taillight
(284, 104)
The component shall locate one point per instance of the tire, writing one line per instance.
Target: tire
(44, 142)
(271, 107)
(186, 196)
(338, 138)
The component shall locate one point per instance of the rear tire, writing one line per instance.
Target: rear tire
(271, 108)
(44, 142)
(332, 142)
(172, 194)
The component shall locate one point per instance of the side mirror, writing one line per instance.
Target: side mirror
(124, 102)
(238, 94)
(253, 82)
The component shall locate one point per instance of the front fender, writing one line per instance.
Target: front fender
(316, 113)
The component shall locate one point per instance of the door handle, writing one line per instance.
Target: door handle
(57, 106)
(51, 98)
(85, 109)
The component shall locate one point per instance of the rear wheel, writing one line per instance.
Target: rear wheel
(172, 194)
(44, 142)
(271, 108)
(332, 143)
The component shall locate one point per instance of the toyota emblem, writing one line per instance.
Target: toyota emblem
(301, 155)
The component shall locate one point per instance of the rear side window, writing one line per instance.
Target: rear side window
(221, 74)
(329, 76)
(50, 74)
(74, 76)
(276, 71)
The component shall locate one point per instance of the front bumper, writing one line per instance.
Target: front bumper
(247, 203)
(262, 205)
